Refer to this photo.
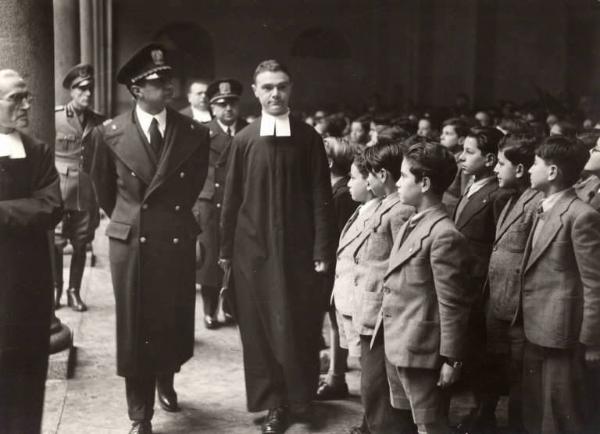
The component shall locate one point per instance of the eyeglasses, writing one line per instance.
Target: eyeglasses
(18, 98)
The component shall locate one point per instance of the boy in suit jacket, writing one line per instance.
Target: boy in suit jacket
(588, 189)
(560, 298)
(454, 131)
(475, 217)
(339, 156)
(426, 298)
(516, 154)
(371, 255)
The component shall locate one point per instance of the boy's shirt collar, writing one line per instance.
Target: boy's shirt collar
(368, 205)
(417, 217)
(478, 185)
(549, 202)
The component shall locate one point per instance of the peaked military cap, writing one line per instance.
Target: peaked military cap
(78, 76)
(147, 63)
(223, 89)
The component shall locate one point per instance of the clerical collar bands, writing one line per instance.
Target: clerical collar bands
(275, 125)
(11, 146)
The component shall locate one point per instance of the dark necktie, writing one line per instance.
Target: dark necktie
(229, 131)
(156, 140)
(538, 225)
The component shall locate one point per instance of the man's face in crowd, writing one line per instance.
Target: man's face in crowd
(449, 138)
(483, 118)
(273, 90)
(197, 96)
(424, 128)
(154, 94)
(14, 101)
(226, 111)
(81, 97)
(357, 133)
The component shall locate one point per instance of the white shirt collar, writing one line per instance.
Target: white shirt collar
(145, 119)
(224, 127)
(478, 185)
(369, 205)
(11, 146)
(275, 125)
(201, 115)
(549, 202)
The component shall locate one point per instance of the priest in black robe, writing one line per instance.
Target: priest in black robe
(278, 235)
(30, 207)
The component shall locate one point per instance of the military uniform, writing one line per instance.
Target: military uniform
(73, 158)
(207, 209)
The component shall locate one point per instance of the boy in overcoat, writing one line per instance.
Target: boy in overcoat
(560, 296)
(426, 297)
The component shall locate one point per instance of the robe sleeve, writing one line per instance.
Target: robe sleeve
(323, 211)
(232, 198)
(103, 173)
(43, 210)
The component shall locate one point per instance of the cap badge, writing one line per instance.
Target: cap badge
(158, 57)
(83, 72)
(224, 88)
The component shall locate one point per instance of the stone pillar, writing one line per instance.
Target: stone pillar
(66, 43)
(86, 20)
(26, 36)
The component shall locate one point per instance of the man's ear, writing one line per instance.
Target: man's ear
(519, 171)
(135, 90)
(254, 90)
(425, 184)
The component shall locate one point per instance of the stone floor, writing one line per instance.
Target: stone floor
(210, 386)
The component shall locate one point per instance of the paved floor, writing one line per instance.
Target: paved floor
(210, 386)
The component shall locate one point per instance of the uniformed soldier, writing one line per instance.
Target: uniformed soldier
(149, 167)
(224, 98)
(74, 124)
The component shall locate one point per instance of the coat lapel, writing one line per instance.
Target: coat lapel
(376, 219)
(175, 150)
(506, 219)
(476, 204)
(552, 225)
(130, 149)
(414, 241)
(347, 238)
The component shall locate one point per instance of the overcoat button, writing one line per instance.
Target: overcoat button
(145, 206)
(217, 185)
(175, 240)
(177, 207)
(142, 240)
(133, 174)
(218, 205)
(182, 174)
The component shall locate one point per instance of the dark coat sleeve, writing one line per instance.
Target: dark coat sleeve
(324, 220)
(232, 197)
(103, 173)
(43, 209)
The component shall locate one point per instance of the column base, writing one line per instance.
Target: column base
(61, 362)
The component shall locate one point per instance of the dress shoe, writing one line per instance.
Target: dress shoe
(74, 301)
(276, 421)
(328, 392)
(210, 322)
(57, 295)
(167, 397)
(144, 427)
(228, 319)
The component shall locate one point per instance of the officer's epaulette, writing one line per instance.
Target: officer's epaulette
(106, 122)
(59, 108)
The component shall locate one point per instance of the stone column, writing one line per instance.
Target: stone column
(26, 36)
(86, 20)
(66, 43)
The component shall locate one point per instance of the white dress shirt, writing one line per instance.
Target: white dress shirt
(11, 146)
(275, 125)
(478, 185)
(145, 119)
(224, 127)
(201, 115)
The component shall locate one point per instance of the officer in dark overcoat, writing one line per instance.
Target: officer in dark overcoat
(224, 95)
(73, 157)
(150, 164)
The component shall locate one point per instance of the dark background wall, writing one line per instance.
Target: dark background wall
(345, 51)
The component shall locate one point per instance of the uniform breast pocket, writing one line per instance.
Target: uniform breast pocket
(379, 245)
(517, 238)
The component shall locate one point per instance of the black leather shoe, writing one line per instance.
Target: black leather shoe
(144, 427)
(276, 421)
(210, 323)
(74, 301)
(167, 397)
(327, 392)
(228, 319)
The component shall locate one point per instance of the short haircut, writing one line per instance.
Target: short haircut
(461, 128)
(519, 149)
(340, 153)
(434, 161)
(567, 153)
(195, 81)
(487, 139)
(361, 163)
(270, 65)
(382, 156)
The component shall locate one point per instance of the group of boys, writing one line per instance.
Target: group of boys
(471, 265)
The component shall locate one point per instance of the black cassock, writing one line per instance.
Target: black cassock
(277, 220)
(30, 206)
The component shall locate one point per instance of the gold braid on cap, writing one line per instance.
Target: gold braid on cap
(157, 69)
